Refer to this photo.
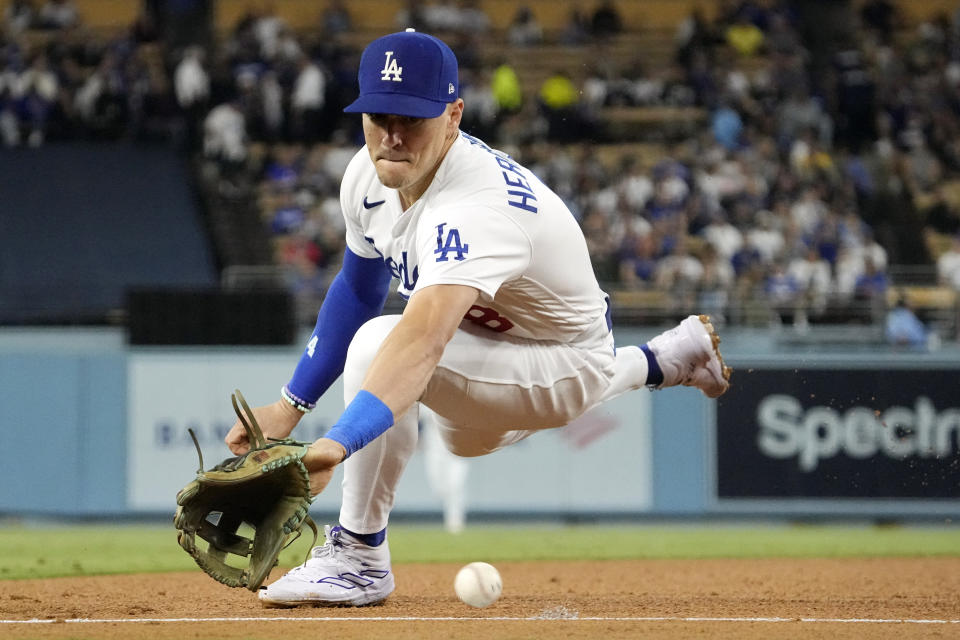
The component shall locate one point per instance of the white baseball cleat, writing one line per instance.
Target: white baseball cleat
(688, 355)
(343, 572)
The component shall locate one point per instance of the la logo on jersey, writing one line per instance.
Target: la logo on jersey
(448, 241)
(391, 70)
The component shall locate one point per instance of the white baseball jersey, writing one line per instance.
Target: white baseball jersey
(486, 222)
(541, 352)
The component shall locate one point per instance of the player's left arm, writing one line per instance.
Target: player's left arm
(397, 377)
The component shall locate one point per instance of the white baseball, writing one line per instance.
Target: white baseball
(478, 584)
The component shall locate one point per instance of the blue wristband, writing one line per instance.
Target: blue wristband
(365, 418)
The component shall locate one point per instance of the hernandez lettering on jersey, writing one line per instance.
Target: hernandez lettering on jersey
(519, 192)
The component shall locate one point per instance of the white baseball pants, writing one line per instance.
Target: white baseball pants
(489, 390)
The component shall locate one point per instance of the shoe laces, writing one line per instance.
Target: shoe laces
(332, 549)
(333, 544)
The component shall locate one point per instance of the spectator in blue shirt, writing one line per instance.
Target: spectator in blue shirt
(904, 328)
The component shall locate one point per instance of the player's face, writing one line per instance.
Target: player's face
(407, 151)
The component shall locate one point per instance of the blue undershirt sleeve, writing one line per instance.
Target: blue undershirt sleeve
(356, 295)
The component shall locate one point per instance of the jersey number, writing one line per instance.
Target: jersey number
(488, 318)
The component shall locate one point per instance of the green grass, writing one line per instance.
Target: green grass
(42, 552)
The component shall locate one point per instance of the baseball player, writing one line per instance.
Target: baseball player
(506, 330)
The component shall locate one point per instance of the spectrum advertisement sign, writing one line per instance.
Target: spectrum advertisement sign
(814, 433)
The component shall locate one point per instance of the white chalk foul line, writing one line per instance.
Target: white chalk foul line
(485, 619)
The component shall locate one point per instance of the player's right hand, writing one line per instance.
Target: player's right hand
(320, 460)
(276, 420)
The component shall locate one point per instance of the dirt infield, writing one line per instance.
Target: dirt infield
(743, 599)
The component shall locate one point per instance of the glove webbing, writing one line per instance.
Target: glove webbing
(257, 441)
(254, 433)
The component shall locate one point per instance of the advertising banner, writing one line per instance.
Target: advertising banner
(599, 463)
(857, 433)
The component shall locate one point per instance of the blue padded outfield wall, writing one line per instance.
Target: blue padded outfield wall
(80, 223)
(98, 428)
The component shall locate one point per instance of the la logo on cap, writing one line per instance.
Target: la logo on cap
(391, 71)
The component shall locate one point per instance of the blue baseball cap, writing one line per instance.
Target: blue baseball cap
(406, 74)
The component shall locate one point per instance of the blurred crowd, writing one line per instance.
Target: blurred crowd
(816, 169)
(59, 81)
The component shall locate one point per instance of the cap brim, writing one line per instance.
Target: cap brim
(397, 104)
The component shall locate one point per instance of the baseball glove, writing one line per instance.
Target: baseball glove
(266, 489)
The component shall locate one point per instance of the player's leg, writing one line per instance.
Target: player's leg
(353, 566)
(521, 387)
(491, 389)
(689, 355)
(371, 475)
